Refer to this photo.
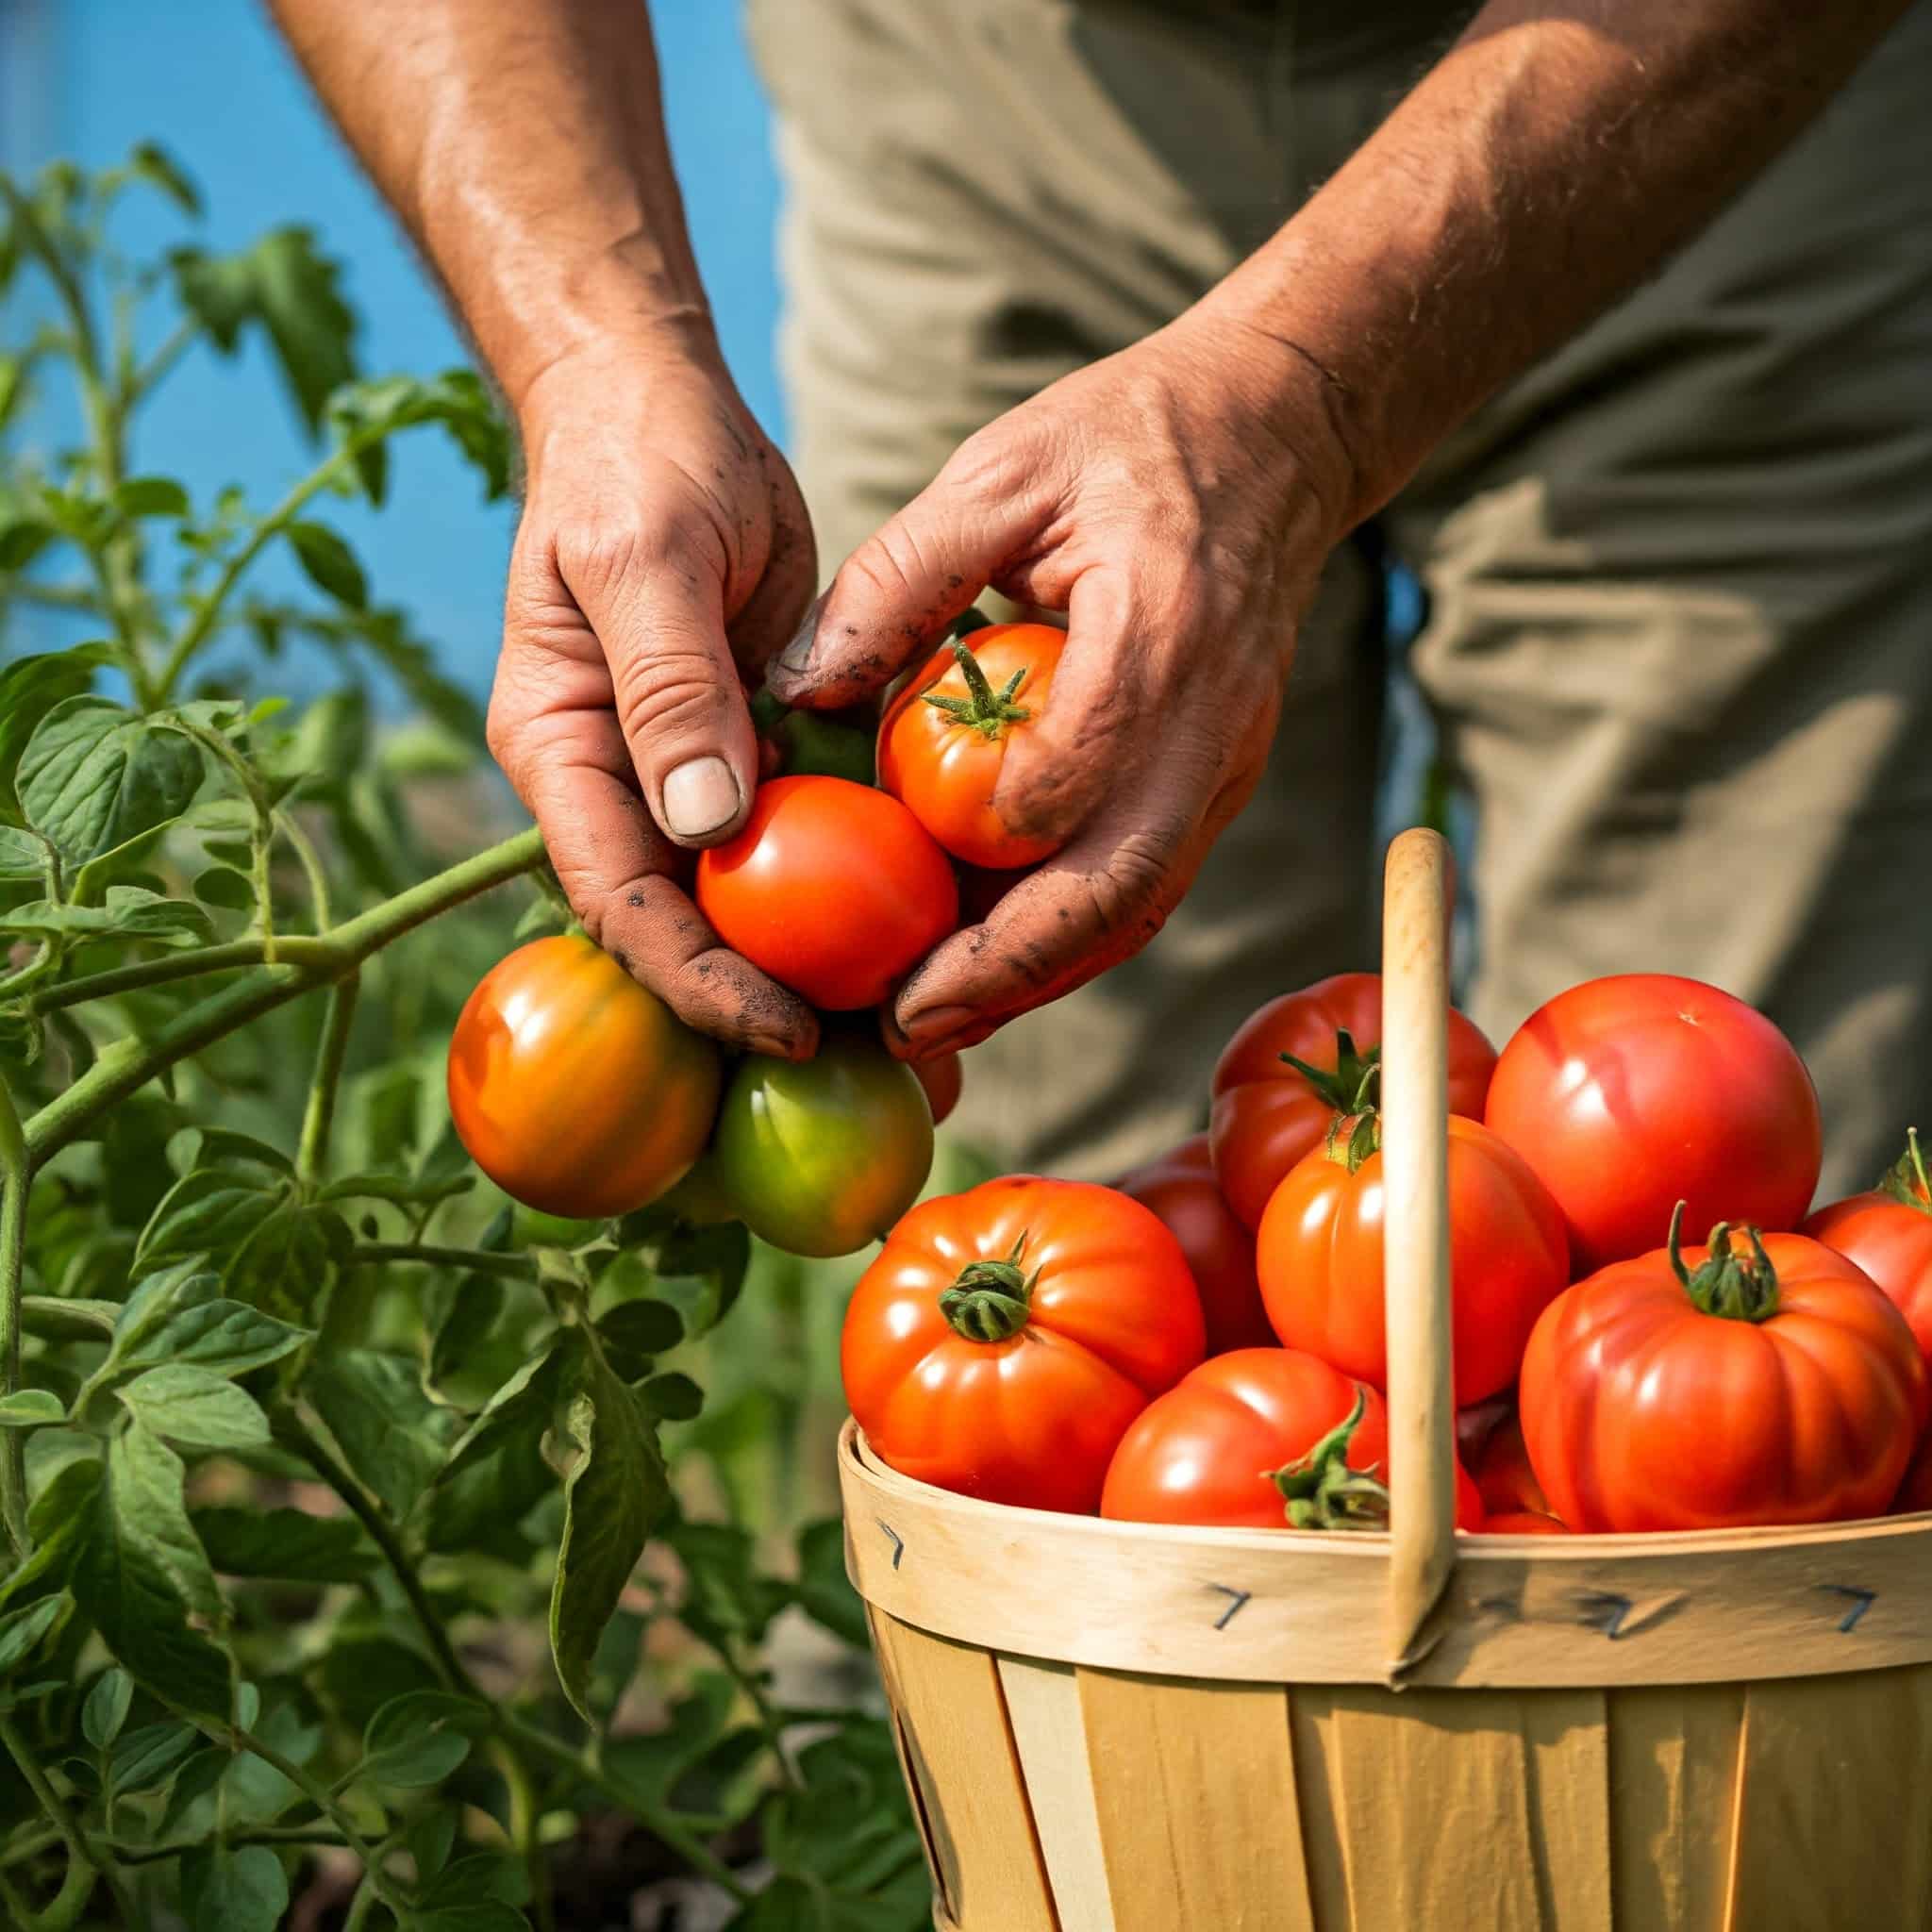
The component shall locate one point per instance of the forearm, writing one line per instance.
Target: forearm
(523, 143)
(1552, 159)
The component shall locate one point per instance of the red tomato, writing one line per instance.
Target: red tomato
(1269, 1111)
(574, 1088)
(942, 742)
(943, 1079)
(835, 890)
(1915, 1492)
(1721, 1387)
(1889, 1234)
(1525, 1523)
(1258, 1438)
(1006, 1336)
(1181, 1189)
(1320, 1255)
(1503, 1478)
(1630, 1094)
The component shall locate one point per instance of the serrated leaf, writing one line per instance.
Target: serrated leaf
(235, 1889)
(187, 1402)
(180, 1315)
(31, 1409)
(329, 563)
(528, 1400)
(93, 775)
(129, 912)
(139, 1572)
(287, 1544)
(126, 863)
(457, 400)
(21, 1630)
(614, 1496)
(106, 1708)
(270, 1242)
(472, 1312)
(29, 689)
(420, 1738)
(150, 496)
(388, 1431)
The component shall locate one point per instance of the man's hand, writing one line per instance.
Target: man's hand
(663, 548)
(1177, 501)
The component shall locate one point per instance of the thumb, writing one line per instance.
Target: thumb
(895, 596)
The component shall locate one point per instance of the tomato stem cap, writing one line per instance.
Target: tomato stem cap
(1906, 1181)
(1353, 1084)
(1322, 1491)
(990, 712)
(989, 1301)
(1732, 1286)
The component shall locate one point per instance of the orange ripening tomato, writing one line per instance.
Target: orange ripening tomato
(1631, 1093)
(1261, 1439)
(1503, 1478)
(1006, 1336)
(1300, 1061)
(1712, 1388)
(942, 741)
(1181, 1189)
(1525, 1523)
(945, 1080)
(1889, 1234)
(832, 888)
(1915, 1492)
(1320, 1255)
(575, 1090)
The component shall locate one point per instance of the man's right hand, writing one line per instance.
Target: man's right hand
(663, 548)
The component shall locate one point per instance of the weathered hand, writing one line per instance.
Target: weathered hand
(1177, 501)
(663, 546)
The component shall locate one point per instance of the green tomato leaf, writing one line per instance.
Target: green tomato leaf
(329, 564)
(701, 1270)
(130, 912)
(287, 1544)
(652, 1765)
(24, 854)
(420, 1738)
(429, 1838)
(29, 689)
(526, 1401)
(644, 1327)
(402, 1189)
(273, 1243)
(478, 1918)
(194, 1147)
(140, 1573)
(106, 1708)
(474, 1307)
(190, 1403)
(152, 164)
(22, 540)
(92, 776)
(725, 1594)
(59, 1522)
(180, 1315)
(672, 1398)
(150, 496)
(223, 887)
(31, 1409)
(21, 1630)
(824, 1592)
(234, 1888)
(146, 1758)
(457, 400)
(388, 1431)
(615, 1493)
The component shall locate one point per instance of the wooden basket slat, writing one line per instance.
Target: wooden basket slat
(1195, 1792)
(946, 1697)
(1050, 1739)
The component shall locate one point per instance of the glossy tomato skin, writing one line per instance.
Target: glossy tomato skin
(820, 1157)
(577, 1091)
(1503, 1477)
(1642, 1412)
(1629, 1094)
(1891, 1240)
(1181, 1189)
(834, 888)
(945, 1079)
(1915, 1491)
(1033, 1419)
(946, 769)
(1320, 1260)
(1525, 1523)
(1266, 1116)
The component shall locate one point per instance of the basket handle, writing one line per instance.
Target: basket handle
(1416, 897)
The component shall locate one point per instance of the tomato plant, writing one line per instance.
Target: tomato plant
(575, 1090)
(834, 888)
(820, 1157)
(1006, 1336)
(1319, 1254)
(326, 1476)
(1708, 1387)
(1629, 1094)
(1887, 1232)
(1181, 1189)
(1297, 1062)
(944, 740)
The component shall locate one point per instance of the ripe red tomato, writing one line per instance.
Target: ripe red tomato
(1629, 1094)
(832, 888)
(1889, 1234)
(1258, 1439)
(1181, 1189)
(1525, 1523)
(1722, 1385)
(945, 1080)
(1915, 1492)
(1320, 1255)
(944, 740)
(574, 1088)
(1006, 1336)
(1503, 1477)
(1269, 1110)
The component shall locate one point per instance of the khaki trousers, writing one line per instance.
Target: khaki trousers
(1679, 641)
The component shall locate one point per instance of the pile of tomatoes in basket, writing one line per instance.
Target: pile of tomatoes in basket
(1649, 1333)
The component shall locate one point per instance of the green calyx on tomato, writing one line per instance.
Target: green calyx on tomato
(1353, 1084)
(1907, 1182)
(983, 709)
(1733, 1287)
(1353, 1138)
(1322, 1491)
(811, 746)
(989, 1301)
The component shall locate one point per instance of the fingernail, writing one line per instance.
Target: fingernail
(699, 796)
(925, 1032)
(797, 656)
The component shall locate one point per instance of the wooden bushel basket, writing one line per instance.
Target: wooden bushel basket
(1123, 1727)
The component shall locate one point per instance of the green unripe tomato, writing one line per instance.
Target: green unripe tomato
(820, 1157)
(530, 1228)
(700, 1198)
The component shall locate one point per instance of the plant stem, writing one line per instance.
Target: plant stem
(311, 1157)
(303, 849)
(475, 1260)
(162, 361)
(316, 955)
(268, 1835)
(526, 1830)
(80, 1848)
(14, 1172)
(128, 1065)
(361, 1906)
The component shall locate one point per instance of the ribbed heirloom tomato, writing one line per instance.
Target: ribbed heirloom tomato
(1006, 1336)
(1889, 1234)
(833, 889)
(942, 742)
(1767, 1382)
(1260, 1438)
(1181, 1189)
(1629, 1094)
(1300, 1061)
(574, 1088)
(1320, 1255)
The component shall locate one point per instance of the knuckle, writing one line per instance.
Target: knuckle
(674, 691)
